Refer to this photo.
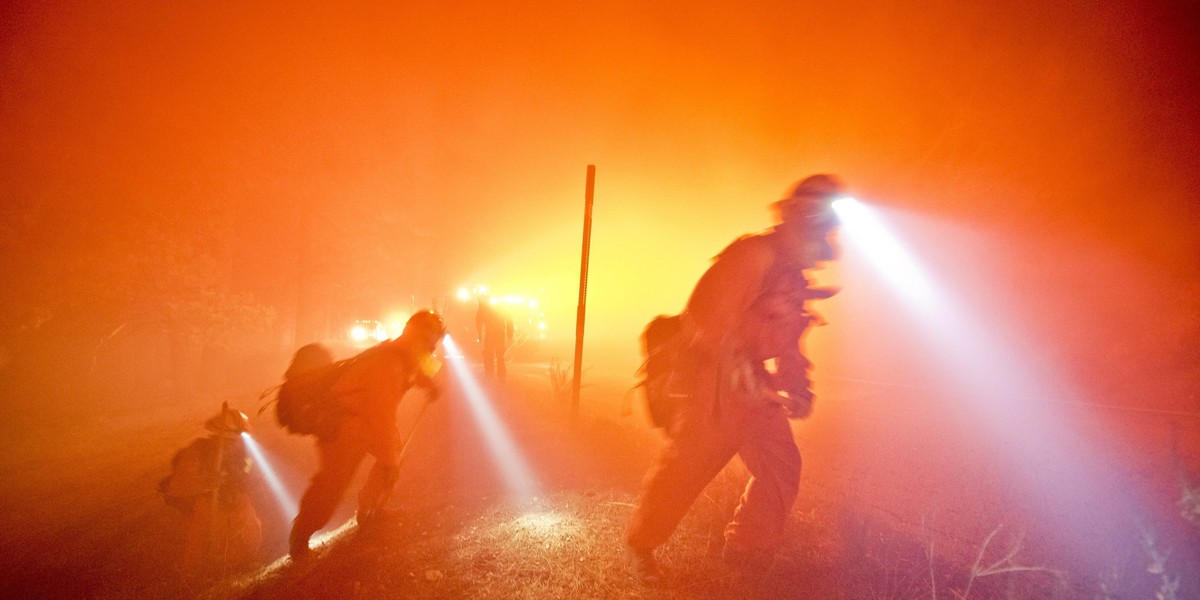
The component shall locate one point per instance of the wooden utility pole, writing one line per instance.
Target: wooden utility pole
(583, 278)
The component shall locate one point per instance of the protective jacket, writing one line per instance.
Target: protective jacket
(370, 392)
(208, 485)
(747, 309)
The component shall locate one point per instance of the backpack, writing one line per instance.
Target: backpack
(192, 473)
(660, 349)
(202, 467)
(305, 403)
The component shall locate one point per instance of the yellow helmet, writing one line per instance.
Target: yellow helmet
(228, 422)
(811, 199)
(427, 324)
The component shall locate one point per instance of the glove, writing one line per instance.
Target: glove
(797, 406)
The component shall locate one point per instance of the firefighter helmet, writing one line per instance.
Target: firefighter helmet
(812, 199)
(228, 422)
(425, 323)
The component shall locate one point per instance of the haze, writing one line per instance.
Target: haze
(243, 177)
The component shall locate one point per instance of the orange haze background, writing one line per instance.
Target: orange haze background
(315, 159)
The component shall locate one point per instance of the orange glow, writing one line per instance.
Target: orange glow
(191, 191)
(336, 160)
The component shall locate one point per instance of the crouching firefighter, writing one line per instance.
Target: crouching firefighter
(208, 485)
(736, 377)
(367, 393)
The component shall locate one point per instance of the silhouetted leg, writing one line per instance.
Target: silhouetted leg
(339, 460)
(770, 454)
(682, 470)
(488, 365)
(377, 490)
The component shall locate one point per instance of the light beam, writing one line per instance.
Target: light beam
(993, 373)
(280, 491)
(513, 468)
(886, 252)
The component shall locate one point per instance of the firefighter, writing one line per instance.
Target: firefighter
(369, 392)
(747, 311)
(208, 485)
(495, 331)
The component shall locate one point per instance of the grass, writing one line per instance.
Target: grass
(561, 548)
(564, 546)
(568, 545)
(561, 380)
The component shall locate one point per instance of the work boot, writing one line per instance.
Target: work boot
(642, 564)
(298, 548)
(368, 519)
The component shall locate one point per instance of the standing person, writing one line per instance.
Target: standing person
(369, 392)
(747, 311)
(495, 331)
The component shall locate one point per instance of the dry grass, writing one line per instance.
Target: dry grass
(564, 546)
(461, 542)
(568, 546)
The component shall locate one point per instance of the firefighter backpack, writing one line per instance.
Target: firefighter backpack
(305, 404)
(660, 349)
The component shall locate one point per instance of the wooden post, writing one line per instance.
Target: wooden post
(583, 278)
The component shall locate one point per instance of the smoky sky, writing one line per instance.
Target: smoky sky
(464, 130)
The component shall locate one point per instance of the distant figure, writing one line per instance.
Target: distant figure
(370, 391)
(738, 377)
(208, 485)
(495, 331)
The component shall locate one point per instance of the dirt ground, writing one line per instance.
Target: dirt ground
(898, 498)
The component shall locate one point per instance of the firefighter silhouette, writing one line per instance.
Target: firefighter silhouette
(495, 332)
(749, 308)
(207, 484)
(370, 390)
